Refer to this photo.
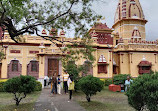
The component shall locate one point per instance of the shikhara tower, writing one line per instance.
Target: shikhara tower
(129, 22)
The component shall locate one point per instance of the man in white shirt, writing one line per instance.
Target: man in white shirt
(128, 83)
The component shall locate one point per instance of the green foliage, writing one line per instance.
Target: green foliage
(72, 69)
(3, 80)
(1, 87)
(120, 79)
(90, 86)
(20, 85)
(38, 86)
(143, 93)
(31, 14)
(107, 82)
(2, 55)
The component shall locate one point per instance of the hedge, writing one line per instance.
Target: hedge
(38, 86)
(107, 81)
(2, 81)
(120, 78)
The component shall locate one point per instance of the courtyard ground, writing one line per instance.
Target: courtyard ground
(104, 101)
(43, 101)
(8, 104)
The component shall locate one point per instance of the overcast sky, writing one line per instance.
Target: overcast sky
(150, 8)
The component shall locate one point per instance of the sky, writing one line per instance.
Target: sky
(150, 8)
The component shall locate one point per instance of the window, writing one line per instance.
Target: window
(116, 42)
(114, 69)
(15, 65)
(145, 68)
(34, 66)
(102, 68)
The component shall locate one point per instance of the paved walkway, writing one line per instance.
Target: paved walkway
(46, 102)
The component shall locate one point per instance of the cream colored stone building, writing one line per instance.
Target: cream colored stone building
(122, 49)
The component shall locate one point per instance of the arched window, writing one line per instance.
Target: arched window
(15, 65)
(87, 69)
(144, 67)
(33, 69)
(34, 66)
(102, 65)
(14, 68)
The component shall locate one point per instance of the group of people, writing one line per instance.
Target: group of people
(67, 81)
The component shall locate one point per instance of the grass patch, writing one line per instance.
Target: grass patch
(104, 101)
(93, 105)
(8, 104)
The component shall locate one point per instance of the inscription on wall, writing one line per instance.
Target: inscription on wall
(14, 51)
(33, 52)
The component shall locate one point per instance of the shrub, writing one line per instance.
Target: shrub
(20, 86)
(38, 86)
(2, 81)
(90, 86)
(120, 79)
(143, 93)
(108, 82)
(1, 87)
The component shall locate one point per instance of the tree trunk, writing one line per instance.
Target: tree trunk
(17, 103)
(88, 98)
(18, 99)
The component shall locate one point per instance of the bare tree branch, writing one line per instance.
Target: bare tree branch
(56, 17)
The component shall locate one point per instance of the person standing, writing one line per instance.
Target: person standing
(59, 84)
(128, 83)
(71, 85)
(54, 85)
(45, 80)
(65, 78)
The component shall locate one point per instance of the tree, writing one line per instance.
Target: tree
(2, 55)
(20, 87)
(90, 86)
(76, 52)
(27, 16)
(143, 93)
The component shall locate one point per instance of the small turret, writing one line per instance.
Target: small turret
(44, 32)
(62, 33)
(53, 32)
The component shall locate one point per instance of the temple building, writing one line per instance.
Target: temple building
(122, 49)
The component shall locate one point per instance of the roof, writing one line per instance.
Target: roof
(101, 26)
